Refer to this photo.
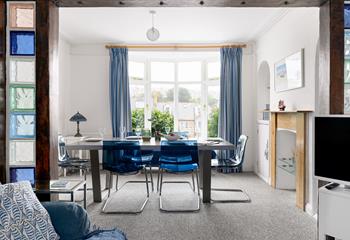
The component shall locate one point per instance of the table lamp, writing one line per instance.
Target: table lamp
(78, 118)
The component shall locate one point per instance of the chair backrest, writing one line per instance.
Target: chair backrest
(179, 152)
(62, 151)
(118, 155)
(240, 149)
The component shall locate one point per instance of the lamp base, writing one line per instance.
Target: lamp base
(78, 135)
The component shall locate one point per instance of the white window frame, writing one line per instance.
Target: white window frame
(205, 83)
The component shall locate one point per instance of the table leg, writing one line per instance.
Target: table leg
(72, 196)
(95, 173)
(205, 174)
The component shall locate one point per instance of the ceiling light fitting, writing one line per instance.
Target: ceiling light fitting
(152, 33)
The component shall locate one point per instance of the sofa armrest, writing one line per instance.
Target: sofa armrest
(70, 220)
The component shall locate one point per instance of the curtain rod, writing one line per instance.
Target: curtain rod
(178, 46)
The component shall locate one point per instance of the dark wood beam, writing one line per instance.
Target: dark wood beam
(47, 18)
(189, 3)
(331, 58)
(3, 92)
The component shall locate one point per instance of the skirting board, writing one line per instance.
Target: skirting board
(262, 177)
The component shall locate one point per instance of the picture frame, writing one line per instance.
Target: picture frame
(289, 72)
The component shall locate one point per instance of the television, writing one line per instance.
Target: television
(332, 148)
(18, 174)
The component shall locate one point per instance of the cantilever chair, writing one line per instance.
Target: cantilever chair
(179, 157)
(123, 158)
(65, 161)
(236, 163)
(146, 159)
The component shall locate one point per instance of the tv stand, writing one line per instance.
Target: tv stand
(334, 213)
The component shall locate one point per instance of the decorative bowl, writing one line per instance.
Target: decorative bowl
(146, 138)
(172, 137)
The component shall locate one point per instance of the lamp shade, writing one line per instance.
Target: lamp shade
(77, 118)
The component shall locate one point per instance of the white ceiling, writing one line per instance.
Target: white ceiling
(176, 25)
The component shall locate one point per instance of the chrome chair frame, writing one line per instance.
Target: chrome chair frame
(111, 173)
(160, 172)
(117, 189)
(248, 200)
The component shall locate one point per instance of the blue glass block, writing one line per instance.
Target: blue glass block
(22, 43)
(18, 174)
(347, 16)
(22, 125)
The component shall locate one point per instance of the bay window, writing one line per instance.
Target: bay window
(180, 94)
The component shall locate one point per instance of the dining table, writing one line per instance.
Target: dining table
(205, 148)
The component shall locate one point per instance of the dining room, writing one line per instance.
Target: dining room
(171, 122)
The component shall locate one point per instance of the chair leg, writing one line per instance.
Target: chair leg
(247, 200)
(116, 183)
(150, 171)
(158, 179)
(146, 182)
(110, 180)
(161, 182)
(193, 185)
(199, 191)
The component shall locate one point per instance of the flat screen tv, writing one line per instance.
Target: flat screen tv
(332, 148)
(18, 174)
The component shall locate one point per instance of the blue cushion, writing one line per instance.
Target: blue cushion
(107, 234)
(70, 220)
(179, 168)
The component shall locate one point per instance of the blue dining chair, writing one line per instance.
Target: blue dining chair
(146, 159)
(122, 158)
(179, 157)
(235, 163)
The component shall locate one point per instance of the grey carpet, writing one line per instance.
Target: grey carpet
(271, 215)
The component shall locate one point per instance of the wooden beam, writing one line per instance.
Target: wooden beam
(46, 90)
(3, 116)
(188, 3)
(331, 58)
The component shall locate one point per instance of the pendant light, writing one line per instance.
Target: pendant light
(152, 33)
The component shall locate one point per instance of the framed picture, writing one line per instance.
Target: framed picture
(289, 72)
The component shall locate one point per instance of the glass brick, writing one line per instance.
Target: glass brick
(22, 15)
(22, 98)
(22, 71)
(22, 43)
(22, 152)
(22, 125)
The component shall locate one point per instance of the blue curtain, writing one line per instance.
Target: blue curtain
(119, 95)
(230, 119)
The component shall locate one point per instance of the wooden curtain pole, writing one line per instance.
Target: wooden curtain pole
(179, 46)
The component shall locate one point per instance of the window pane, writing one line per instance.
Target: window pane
(214, 71)
(22, 43)
(162, 72)
(189, 113)
(213, 110)
(137, 97)
(22, 15)
(18, 174)
(162, 97)
(136, 71)
(22, 71)
(22, 98)
(22, 152)
(190, 72)
(22, 125)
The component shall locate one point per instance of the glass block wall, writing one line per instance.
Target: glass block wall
(20, 67)
(347, 59)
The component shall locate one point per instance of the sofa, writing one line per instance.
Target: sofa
(22, 216)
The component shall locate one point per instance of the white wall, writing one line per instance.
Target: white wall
(64, 84)
(85, 88)
(296, 30)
